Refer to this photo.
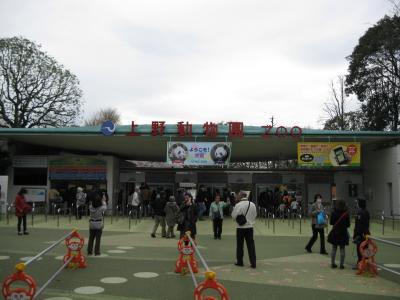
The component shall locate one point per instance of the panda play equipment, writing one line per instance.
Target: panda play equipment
(186, 261)
(72, 260)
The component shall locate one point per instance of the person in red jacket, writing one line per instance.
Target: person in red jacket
(21, 209)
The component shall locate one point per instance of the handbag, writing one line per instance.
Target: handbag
(241, 219)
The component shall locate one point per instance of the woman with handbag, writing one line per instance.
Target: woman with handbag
(339, 235)
(318, 222)
(21, 210)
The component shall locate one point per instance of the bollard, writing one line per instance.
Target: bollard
(292, 222)
(54, 211)
(393, 221)
(129, 217)
(8, 214)
(111, 216)
(70, 213)
(383, 223)
(33, 212)
(116, 220)
(268, 215)
(265, 216)
(273, 223)
(58, 217)
(300, 222)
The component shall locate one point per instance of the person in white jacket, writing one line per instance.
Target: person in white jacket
(245, 232)
(134, 200)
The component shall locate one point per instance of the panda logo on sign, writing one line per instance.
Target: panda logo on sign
(220, 153)
(178, 153)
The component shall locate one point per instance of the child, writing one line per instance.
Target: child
(171, 209)
(96, 223)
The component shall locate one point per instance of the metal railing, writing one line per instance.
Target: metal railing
(391, 243)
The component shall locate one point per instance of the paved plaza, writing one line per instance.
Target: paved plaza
(135, 266)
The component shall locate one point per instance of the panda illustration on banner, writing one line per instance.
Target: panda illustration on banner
(178, 153)
(220, 153)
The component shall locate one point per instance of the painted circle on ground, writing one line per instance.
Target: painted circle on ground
(125, 247)
(28, 258)
(395, 266)
(89, 290)
(59, 257)
(113, 280)
(145, 275)
(116, 251)
(4, 257)
(58, 298)
(100, 256)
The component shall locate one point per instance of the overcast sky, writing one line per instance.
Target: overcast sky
(199, 61)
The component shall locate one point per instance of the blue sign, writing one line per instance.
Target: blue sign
(108, 128)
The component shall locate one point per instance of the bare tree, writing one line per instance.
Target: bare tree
(103, 115)
(335, 108)
(395, 7)
(35, 91)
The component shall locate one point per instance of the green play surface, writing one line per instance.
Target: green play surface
(135, 266)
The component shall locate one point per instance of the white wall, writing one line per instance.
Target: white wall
(381, 167)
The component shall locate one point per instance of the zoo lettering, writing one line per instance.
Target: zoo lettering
(210, 129)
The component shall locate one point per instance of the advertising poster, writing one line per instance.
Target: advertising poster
(340, 154)
(198, 154)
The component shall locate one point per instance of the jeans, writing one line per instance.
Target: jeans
(333, 254)
(94, 235)
(23, 221)
(159, 220)
(314, 237)
(217, 226)
(201, 209)
(170, 231)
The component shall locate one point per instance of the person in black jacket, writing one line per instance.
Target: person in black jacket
(158, 205)
(339, 236)
(361, 228)
(190, 214)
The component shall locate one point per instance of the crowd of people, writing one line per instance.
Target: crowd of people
(184, 212)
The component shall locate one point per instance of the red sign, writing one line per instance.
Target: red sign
(236, 129)
(184, 129)
(210, 129)
(157, 128)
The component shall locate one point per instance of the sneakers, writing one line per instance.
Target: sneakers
(253, 266)
(239, 265)
(341, 267)
(19, 233)
(324, 253)
(308, 249)
(333, 266)
(153, 235)
(26, 232)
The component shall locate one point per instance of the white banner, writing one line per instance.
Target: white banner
(3, 193)
(196, 154)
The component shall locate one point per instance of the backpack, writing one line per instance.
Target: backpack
(321, 218)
